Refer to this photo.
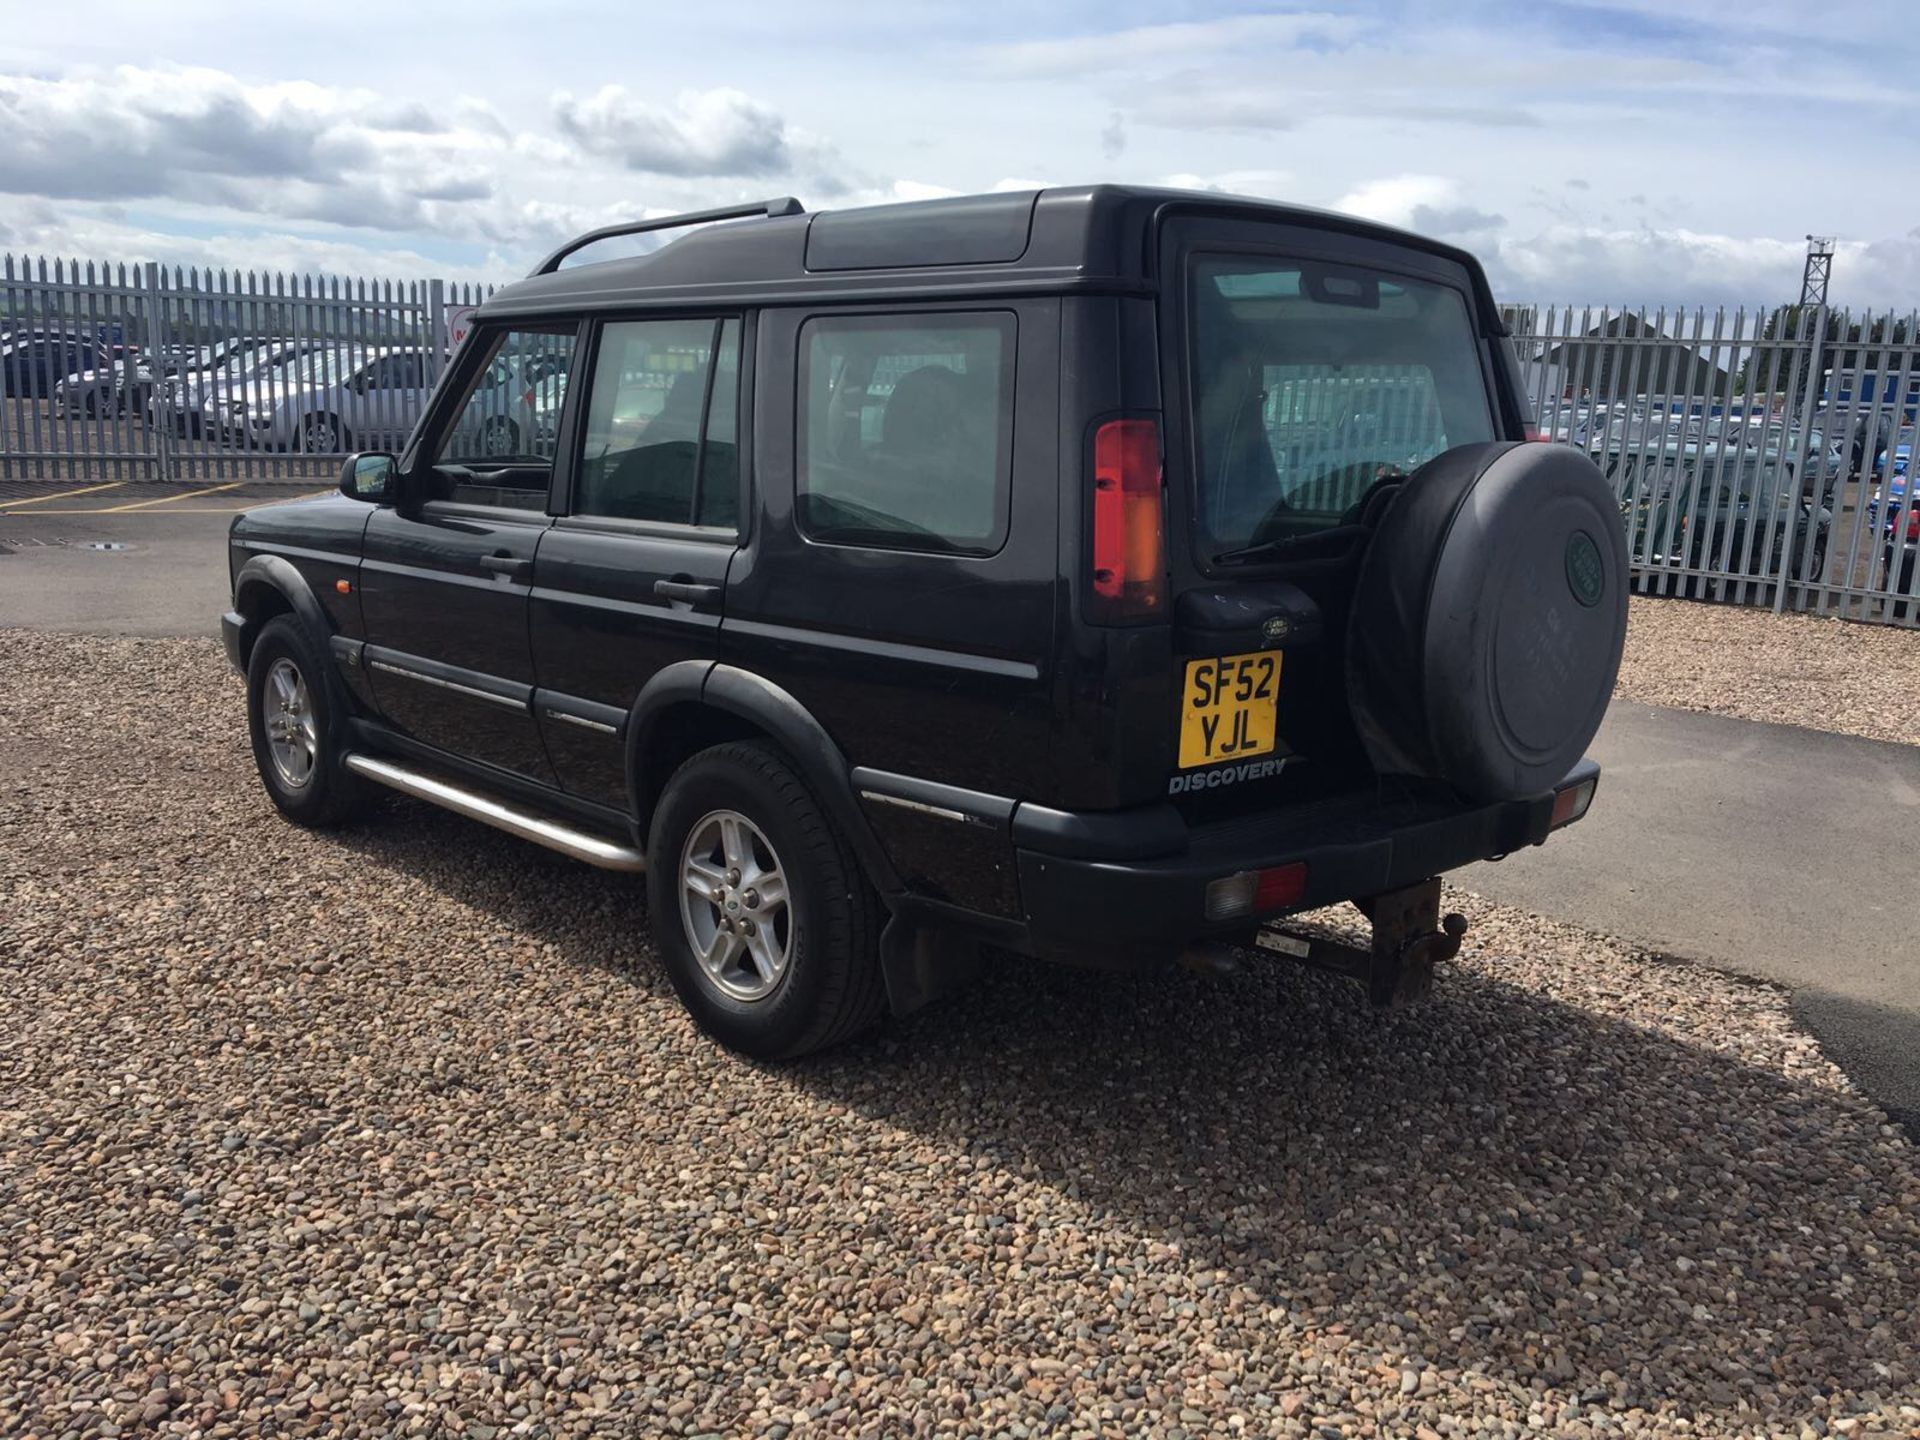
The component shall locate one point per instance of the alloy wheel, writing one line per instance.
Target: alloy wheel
(735, 906)
(293, 731)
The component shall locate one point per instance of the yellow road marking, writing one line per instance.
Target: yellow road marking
(170, 499)
(6, 505)
(182, 510)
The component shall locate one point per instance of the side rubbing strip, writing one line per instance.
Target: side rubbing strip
(930, 797)
(508, 701)
(916, 806)
(582, 721)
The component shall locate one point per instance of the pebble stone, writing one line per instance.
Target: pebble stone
(399, 1131)
(1742, 660)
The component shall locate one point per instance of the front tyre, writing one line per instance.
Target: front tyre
(768, 929)
(296, 729)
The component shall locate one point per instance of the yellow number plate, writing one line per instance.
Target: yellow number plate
(1227, 712)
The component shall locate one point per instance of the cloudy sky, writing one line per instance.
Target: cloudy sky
(1643, 151)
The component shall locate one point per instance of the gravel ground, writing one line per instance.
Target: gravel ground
(1826, 674)
(400, 1131)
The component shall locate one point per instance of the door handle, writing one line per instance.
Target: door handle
(510, 566)
(690, 591)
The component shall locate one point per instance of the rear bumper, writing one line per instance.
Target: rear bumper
(1137, 913)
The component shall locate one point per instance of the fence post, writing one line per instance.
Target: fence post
(160, 421)
(436, 329)
(1808, 404)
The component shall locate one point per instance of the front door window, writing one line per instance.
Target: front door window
(499, 448)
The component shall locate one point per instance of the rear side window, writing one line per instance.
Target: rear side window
(1312, 382)
(662, 441)
(906, 431)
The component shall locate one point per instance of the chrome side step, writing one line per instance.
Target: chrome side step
(579, 844)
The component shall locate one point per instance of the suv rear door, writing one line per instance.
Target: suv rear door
(900, 575)
(632, 577)
(1307, 369)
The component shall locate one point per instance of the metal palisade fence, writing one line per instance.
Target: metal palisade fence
(1763, 457)
(156, 372)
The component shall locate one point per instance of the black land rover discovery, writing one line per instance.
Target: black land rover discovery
(1100, 574)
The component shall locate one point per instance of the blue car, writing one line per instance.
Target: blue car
(1893, 491)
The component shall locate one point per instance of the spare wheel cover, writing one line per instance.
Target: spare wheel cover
(1503, 570)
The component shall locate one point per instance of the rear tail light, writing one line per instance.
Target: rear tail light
(1913, 524)
(1570, 803)
(1255, 892)
(1129, 541)
(1534, 432)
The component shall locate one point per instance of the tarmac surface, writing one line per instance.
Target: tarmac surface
(1769, 851)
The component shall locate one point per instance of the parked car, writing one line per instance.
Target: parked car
(123, 385)
(1009, 587)
(1901, 550)
(34, 362)
(325, 402)
(1889, 497)
(1747, 526)
(1773, 443)
(517, 410)
(248, 369)
(179, 401)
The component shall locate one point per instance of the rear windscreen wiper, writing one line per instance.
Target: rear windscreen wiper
(1317, 545)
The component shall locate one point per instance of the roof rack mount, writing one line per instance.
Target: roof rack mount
(759, 209)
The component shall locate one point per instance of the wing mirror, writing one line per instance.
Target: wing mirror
(372, 476)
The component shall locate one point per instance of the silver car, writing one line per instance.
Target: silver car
(330, 402)
(516, 410)
(240, 367)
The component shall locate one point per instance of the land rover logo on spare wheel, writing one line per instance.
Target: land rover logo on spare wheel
(1585, 575)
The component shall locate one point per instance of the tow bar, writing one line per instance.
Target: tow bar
(1410, 938)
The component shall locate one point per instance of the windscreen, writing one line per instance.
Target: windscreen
(1313, 382)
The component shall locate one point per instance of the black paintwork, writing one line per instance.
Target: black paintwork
(1012, 759)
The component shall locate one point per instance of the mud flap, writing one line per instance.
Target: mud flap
(919, 962)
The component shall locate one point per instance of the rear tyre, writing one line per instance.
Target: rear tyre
(322, 435)
(297, 729)
(767, 926)
(499, 437)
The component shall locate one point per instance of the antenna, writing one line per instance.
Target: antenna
(1813, 284)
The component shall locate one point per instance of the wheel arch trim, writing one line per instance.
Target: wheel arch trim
(280, 575)
(784, 720)
(277, 573)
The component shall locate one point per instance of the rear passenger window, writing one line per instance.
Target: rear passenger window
(662, 431)
(906, 431)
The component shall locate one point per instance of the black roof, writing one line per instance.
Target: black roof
(1095, 237)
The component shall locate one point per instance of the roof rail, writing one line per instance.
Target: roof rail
(769, 209)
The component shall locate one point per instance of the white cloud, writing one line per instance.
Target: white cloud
(1695, 180)
(1156, 44)
(295, 150)
(1393, 201)
(704, 132)
(1266, 184)
(61, 231)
